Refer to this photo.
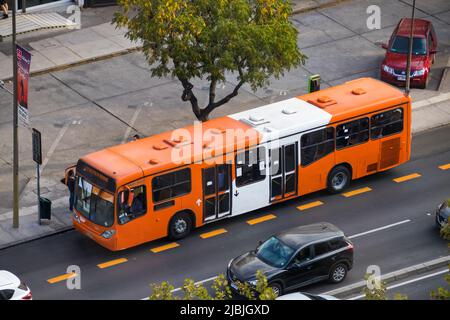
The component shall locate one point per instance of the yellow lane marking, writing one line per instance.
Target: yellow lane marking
(61, 278)
(165, 247)
(212, 233)
(262, 219)
(310, 205)
(445, 166)
(356, 192)
(111, 263)
(406, 178)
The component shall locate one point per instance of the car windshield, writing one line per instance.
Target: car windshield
(92, 203)
(401, 45)
(275, 253)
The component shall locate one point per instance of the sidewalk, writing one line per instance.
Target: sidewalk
(97, 42)
(101, 41)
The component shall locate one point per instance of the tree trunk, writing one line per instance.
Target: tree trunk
(203, 114)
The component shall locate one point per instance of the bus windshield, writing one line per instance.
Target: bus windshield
(91, 203)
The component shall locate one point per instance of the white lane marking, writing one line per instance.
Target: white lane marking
(54, 145)
(133, 120)
(407, 282)
(196, 283)
(378, 229)
(351, 237)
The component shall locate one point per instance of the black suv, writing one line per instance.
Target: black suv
(296, 258)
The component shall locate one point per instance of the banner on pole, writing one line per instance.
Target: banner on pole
(23, 76)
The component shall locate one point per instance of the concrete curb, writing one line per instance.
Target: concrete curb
(314, 5)
(417, 269)
(36, 237)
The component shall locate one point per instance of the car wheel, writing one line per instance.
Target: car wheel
(277, 289)
(180, 226)
(338, 179)
(338, 273)
(425, 83)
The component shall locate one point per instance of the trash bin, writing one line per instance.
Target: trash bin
(45, 206)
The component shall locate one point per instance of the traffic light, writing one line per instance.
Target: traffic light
(314, 83)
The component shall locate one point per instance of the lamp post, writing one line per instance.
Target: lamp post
(15, 124)
(408, 62)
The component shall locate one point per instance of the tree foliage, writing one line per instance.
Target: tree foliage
(207, 39)
(442, 293)
(377, 290)
(192, 291)
(445, 231)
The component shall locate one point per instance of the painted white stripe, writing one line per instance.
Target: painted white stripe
(378, 229)
(350, 237)
(54, 145)
(407, 282)
(133, 120)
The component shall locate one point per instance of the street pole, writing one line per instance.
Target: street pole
(15, 124)
(408, 63)
(38, 176)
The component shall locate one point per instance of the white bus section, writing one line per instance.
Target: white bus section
(279, 125)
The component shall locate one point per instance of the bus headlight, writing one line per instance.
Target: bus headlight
(108, 234)
(76, 217)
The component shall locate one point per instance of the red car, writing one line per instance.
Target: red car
(393, 67)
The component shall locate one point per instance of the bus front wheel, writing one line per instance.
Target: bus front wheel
(180, 226)
(338, 179)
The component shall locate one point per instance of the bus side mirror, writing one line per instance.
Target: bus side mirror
(384, 46)
(130, 197)
(433, 51)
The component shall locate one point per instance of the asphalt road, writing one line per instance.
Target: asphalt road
(413, 241)
(417, 287)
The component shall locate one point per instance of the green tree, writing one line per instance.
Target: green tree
(261, 291)
(442, 293)
(378, 290)
(445, 231)
(205, 39)
(220, 286)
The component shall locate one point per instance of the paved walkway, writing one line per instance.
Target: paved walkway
(96, 42)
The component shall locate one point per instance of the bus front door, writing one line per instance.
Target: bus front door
(283, 172)
(216, 192)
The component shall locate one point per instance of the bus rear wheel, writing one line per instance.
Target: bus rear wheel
(180, 226)
(338, 179)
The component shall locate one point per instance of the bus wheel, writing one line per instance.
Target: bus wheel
(338, 179)
(180, 226)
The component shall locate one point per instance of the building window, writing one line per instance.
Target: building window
(171, 185)
(352, 133)
(250, 166)
(386, 123)
(138, 206)
(316, 145)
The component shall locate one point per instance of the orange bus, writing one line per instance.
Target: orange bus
(169, 183)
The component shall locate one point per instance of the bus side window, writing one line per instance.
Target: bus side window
(250, 166)
(138, 207)
(386, 123)
(316, 145)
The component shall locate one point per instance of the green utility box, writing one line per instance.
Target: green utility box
(45, 206)
(314, 83)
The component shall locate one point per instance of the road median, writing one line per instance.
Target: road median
(357, 288)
